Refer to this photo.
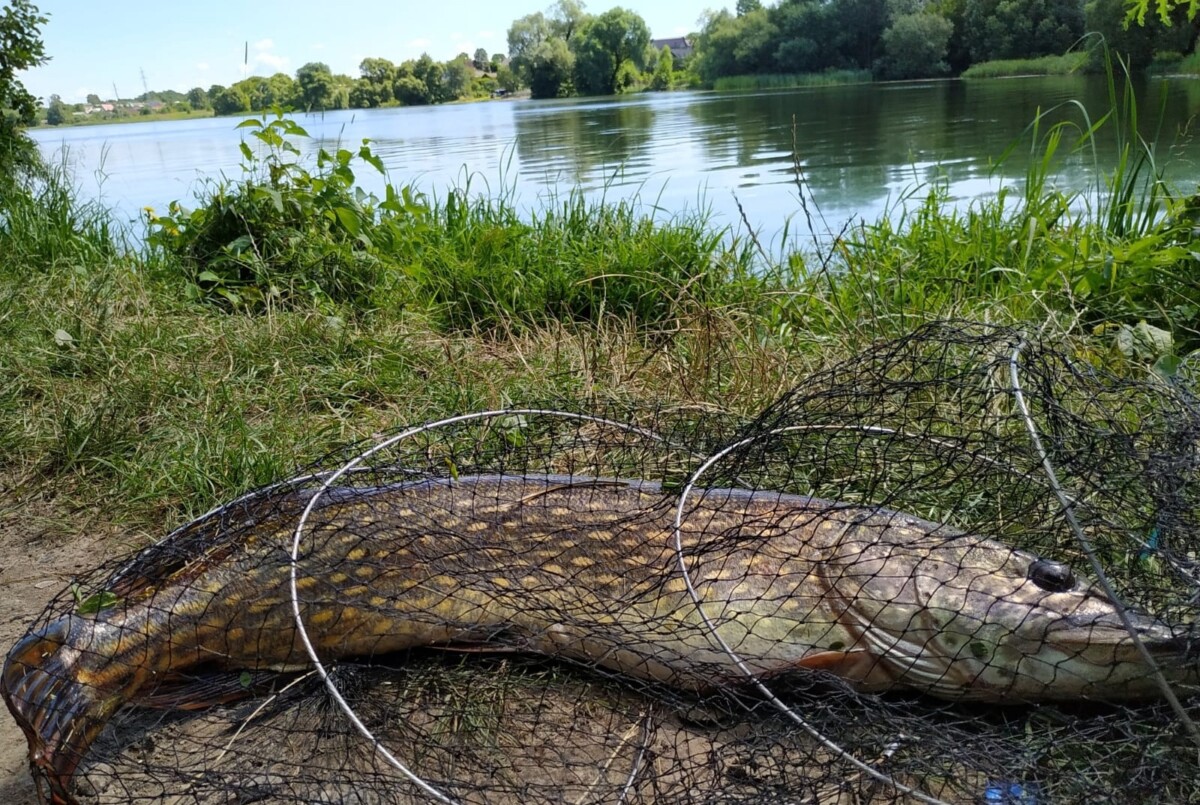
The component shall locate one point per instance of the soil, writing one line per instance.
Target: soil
(38, 558)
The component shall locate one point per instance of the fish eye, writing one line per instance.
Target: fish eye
(1054, 577)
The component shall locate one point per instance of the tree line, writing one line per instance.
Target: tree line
(566, 51)
(896, 39)
(380, 83)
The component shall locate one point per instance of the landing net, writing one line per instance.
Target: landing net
(961, 568)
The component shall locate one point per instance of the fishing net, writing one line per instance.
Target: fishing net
(631, 605)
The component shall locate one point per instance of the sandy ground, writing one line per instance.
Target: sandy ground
(38, 558)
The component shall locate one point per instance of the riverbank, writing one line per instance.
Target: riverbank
(272, 323)
(98, 120)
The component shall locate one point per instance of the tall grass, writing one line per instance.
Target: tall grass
(480, 265)
(757, 81)
(1044, 65)
(128, 381)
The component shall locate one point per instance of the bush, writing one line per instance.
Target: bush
(281, 234)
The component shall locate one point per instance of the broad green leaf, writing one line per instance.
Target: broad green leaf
(97, 602)
(347, 219)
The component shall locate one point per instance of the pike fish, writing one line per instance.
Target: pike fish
(586, 569)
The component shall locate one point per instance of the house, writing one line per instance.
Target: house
(681, 46)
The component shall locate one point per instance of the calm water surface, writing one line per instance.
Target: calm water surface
(860, 148)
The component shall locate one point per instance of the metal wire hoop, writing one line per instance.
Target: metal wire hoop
(355, 464)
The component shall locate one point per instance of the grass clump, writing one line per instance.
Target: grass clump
(480, 266)
(1066, 64)
(739, 83)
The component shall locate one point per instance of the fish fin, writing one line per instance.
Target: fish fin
(859, 666)
(477, 648)
(205, 691)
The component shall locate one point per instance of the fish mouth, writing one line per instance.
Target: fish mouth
(1168, 646)
(57, 713)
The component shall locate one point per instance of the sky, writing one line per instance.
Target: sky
(94, 44)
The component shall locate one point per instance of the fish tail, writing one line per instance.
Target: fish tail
(59, 714)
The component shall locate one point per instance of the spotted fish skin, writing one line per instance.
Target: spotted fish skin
(580, 568)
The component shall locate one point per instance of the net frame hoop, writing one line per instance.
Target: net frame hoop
(755, 682)
(355, 464)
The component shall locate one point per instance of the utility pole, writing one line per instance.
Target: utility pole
(116, 95)
(145, 86)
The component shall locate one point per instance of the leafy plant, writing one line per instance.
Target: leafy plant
(284, 233)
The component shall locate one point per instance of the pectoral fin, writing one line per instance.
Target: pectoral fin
(859, 667)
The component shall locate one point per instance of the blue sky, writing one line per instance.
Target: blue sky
(94, 44)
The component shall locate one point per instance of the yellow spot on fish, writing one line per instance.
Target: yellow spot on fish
(582, 561)
(322, 618)
(338, 578)
(366, 572)
(478, 526)
(354, 554)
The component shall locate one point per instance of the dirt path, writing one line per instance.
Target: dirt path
(38, 557)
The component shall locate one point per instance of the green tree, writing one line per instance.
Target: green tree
(549, 69)
(567, 18)
(376, 85)
(1015, 29)
(605, 44)
(506, 78)
(456, 79)
(744, 7)
(197, 98)
(362, 95)
(20, 48)
(257, 89)
(316, 86)
(480, 60)
(231, 101)
(411, 91)
(757, 44)
(57, 112)
(377, 71)
(664, 70)
(283, 90)
(915, 46)
(1137, 44)
(214, 91)
(94, 99)
(524, 36)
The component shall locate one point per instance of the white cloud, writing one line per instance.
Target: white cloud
(202, 66)
(319, 46)
(419, 42)
(272, 60)
(487, 34)
(264, 44)
(82, 93)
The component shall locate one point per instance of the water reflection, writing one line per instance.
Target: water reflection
(858, 148)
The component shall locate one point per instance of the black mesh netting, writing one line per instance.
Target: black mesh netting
(959, 567)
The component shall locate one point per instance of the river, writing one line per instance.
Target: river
(857, 150)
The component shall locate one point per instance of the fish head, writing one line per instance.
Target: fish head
(962, 616)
